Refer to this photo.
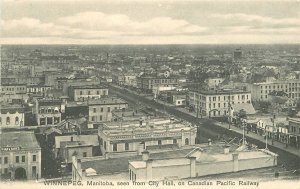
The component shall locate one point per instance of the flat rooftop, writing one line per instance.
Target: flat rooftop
(220, 92)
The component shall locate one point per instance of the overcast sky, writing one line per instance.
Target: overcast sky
(149, 22)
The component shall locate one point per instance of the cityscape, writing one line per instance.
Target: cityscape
(150, 94)
(82, 112)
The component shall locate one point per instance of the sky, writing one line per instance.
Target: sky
(149, 22)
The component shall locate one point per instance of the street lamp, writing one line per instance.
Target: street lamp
(273, 127)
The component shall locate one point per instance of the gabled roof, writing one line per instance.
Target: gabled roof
(244, 106)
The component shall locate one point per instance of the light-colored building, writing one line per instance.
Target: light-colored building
(83, 93)
(199, 162)
(139, 135)
(294, 132)
(20, 156)
(214, 82)
(100, 110)
(261, 91)
(13, 93)
(49, 111)
(38, 89)
(151, 83)
(216, 103)
(12, 116)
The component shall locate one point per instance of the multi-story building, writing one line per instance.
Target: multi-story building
(12, 116)
(13, 93)
(38, 89)
(261, 91)
(151, 83)
(294, 132)
(100, 110)
(216, 103)
(135, 137)
(83, 93)
(20, 156)
(49, 111)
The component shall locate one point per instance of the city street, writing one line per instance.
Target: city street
(209, 128)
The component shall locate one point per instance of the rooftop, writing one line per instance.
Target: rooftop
(220, 92)
(22, 139)
(90, 87)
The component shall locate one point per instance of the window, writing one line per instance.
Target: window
(80, 92)
(84, 154)
(159, 142)
(104, 145)
(23, 159)
(94, 110)
(101, 109)
(93, 118)
(98, 92)
(7, 121)
(17, 120)
(17, 159)
(34, 158)
(186, 141)
(89, 92)
(101, 118)
(174, 141)
(126, 146)
(0, 121)
(108, 109)
(115, 147)
(5, 170)
(5, 160)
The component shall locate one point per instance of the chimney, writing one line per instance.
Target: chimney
(209, 142)
(145, 155)
(226, 149)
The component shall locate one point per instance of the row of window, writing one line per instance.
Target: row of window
(98, 92)
(18, 159)
(279, 86)
(115, 146)
(49, 110)
(8, 120)
(13, 89)
(293, 129)
(102, 109)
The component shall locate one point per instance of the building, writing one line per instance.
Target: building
(169, 163)
(216, 103)
(13, 93)
(20, 156)
(38, 89)
(199, 162)
(12, 116)
(135, 136)
(152, 83)
(261, 91)
(100, 110)
(214, 82)
(237, 54)
(49, 111)
(83, 93)
(294, 132)
(82, 145)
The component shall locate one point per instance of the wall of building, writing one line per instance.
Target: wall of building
(15, 119)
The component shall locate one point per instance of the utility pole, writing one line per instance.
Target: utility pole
(229, 112)
(266, 138)
(273, 128)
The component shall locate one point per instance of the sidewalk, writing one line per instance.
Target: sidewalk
(238, 130)
(252, 135)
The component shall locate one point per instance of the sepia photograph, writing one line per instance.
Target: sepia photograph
(150, 94)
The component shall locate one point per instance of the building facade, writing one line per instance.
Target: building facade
(83, 93)
(261, 91)
(48, 111)
(12, 117)
(217, 103)
(100, 110)
(137, 138)
(150, 83)
(20, 156)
